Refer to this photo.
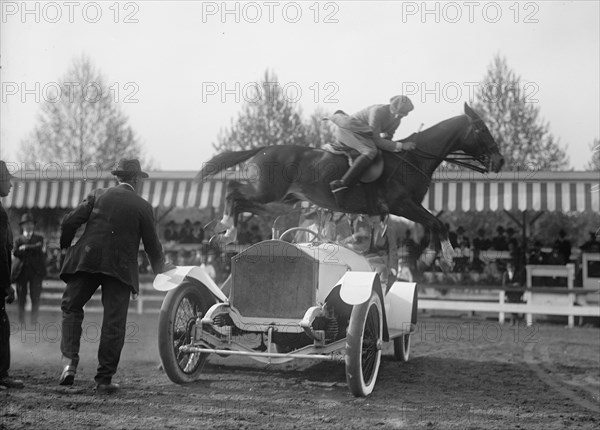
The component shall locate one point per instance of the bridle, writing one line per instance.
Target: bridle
(457, 157)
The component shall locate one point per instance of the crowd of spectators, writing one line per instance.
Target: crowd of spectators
(480, 256)
(184, 233)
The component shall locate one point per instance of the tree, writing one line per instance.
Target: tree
(82, 123)
(507, 105)
(594, 162)
(268, 118)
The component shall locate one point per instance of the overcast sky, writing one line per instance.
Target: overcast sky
(172, 61)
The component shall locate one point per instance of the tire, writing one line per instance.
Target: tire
(176, 326)
(402, 348)
(363, 346)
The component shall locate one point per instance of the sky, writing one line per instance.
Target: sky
(182, 71)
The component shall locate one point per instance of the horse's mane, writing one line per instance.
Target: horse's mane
(435, 128)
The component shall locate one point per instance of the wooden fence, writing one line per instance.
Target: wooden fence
(571, 302)
(148, 301)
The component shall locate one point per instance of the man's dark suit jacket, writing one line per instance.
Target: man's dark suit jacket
(117, 218)
(5, 254)
(30, 259)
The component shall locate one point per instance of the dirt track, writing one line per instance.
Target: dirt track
(463, 374)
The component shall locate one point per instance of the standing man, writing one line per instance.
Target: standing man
(106, 254)
(7, 292)
(30, 267)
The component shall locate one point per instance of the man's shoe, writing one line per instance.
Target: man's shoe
(9, 382)
(109, 388)
(68, 375)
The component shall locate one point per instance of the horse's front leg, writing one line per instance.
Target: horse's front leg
(417, 213)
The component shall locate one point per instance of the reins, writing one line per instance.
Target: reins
(457, 158)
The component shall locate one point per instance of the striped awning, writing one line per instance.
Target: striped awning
(449, 191)
(535, 191)
(162, 190)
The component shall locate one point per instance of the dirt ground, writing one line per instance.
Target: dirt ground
(462, 374)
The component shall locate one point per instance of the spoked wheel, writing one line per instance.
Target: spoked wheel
(402, 347)
(176, 327)
(363, 346)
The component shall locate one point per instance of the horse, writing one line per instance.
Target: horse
(291, 173)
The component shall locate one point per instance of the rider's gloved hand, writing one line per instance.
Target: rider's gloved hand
(405, 146)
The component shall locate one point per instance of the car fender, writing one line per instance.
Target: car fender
(401, 306)
(356, 287)
(173, 278)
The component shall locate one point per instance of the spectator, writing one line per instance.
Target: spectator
(555, 256)
(198, 232)
(480, 243)
(592, 244)
(513, 278)
(451, 236)
(564, 246)
(115, 219)
(53, 261)
(7, 292)
(461, 244)
(511, 239)
(462, 241)
(30, 267)
(536, 256)
(355, 233)
(499, 242)
(185, 234)
(171, 233)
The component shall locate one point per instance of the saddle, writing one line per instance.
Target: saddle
(371, 174)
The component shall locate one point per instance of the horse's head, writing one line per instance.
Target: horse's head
(480, 144)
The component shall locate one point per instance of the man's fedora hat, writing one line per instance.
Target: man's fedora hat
(26, 217)
(129, 167)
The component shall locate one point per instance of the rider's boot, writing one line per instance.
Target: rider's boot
(339, 186)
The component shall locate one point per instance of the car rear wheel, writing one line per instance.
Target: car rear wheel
(363, 346)
(176, 327)
(402, 347)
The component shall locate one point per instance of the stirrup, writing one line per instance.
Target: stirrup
(337, 186)
(337, 190)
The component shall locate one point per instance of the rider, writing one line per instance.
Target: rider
(366, 131)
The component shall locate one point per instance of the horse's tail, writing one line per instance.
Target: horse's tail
(225, 161)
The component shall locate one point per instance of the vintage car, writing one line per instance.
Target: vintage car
(312, 300)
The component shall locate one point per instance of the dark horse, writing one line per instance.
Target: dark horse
(291, 173)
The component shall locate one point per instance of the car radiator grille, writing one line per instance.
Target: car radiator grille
(273, 279)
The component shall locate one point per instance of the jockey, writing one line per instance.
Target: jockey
(366, 131)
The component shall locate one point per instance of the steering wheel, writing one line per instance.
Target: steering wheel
(303, 229)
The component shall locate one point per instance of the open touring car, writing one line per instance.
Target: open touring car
(312, 300)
